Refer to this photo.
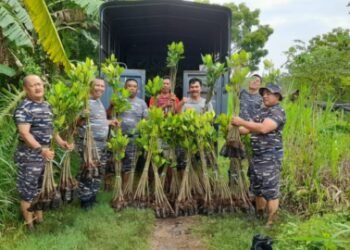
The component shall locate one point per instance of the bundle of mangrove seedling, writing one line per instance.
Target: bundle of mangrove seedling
(234, 148)
(68, 184)
(117, 145)
(129, 186)
(170, 176)
(185, 203)
(49, 197)
(150, 131)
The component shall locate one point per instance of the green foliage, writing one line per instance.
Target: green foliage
(223, 120)
(247, 33)
(71, 228)
(150, 131)
(329, 232)
(6, 70)
(67, 102)
(322, 65)
(214, 71)
(316, 157)
(237, 63)
(91, 7)
(154, 87)
(14, 23)
(113, 71)
(81, 75)
(45, 27)
(271, 74)
(175, 54)
(117, 144)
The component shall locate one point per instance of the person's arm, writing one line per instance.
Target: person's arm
(265, 127)
(28, 138)
(151, 102)
(181, 104)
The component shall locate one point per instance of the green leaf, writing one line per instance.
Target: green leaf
(6, 70)
(45, 27)
(12, 27)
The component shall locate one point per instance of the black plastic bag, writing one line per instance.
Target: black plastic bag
(261, 242)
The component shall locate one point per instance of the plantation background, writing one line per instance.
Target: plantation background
(316, 165)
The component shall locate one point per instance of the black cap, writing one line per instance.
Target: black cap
(273, 88)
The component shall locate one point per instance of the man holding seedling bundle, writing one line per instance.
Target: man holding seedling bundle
(250, 100)
(129, 120)
(195, 101)
(88, 187)
(33, 118)
(266, 138)
(166, 100)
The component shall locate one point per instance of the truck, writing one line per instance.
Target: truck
(138, 33)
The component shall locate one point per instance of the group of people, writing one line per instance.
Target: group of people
(261, 115)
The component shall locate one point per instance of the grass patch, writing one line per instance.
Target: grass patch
(235, 232)
(72, 228)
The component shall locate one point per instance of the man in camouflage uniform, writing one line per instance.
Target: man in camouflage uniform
(250, 100)
(250, 104)
(129, 120)
(33, 118)
(88, 187)
(266, 129)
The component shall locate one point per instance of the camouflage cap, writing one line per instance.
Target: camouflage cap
(273, 88)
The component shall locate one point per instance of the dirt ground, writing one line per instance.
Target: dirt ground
(175, 233)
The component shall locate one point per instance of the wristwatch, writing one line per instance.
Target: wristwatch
(38, 149)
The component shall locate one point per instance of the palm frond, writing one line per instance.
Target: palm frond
(9, 99)
(12, 28)
(45, 27)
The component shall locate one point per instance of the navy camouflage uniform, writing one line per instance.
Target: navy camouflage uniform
(130, 118)
(249, 105)
(30, 163)
(88, 187)
(267, 149)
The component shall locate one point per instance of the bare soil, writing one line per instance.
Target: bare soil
(175, 234)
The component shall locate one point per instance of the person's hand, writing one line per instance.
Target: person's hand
(67, 146)
(47, 154)
(236, 120)
(114, 123)
(184, 100)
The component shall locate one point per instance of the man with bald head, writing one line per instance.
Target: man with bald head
(33, 118)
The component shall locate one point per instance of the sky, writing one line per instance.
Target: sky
(296, 19)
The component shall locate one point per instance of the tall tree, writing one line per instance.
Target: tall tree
(323, 65)
(248, 34)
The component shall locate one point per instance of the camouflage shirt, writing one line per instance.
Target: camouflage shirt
(39, 115)
(270, 143)
(249, 104)
(132, 116)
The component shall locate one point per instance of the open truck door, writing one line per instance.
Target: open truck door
(138, 33)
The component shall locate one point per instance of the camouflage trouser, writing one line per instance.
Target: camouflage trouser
(264, 174)
(130, 154)
(88, 187)
(31, 167)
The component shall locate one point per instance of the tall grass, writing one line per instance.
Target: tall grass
(316, 157)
